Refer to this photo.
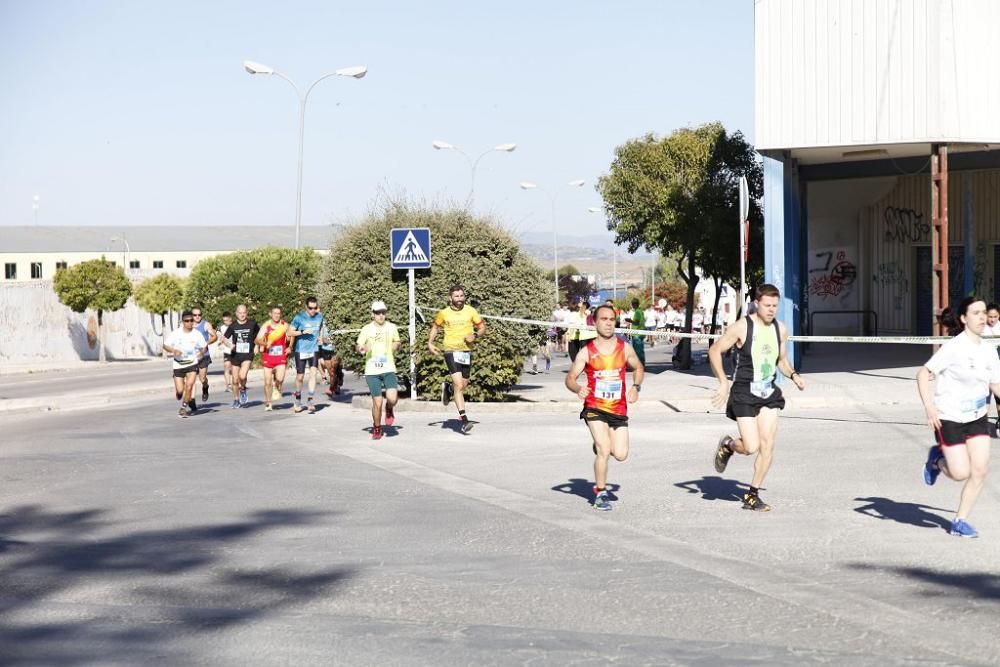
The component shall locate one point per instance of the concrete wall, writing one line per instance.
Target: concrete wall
(35, 327)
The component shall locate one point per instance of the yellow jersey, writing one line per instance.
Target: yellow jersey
(457, 325)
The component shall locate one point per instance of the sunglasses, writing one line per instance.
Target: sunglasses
(197, 314)
(188, 319)
(312, 307)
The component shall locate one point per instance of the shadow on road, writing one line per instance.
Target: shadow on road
(715, 488)
(985, 585)
(452, 424)
(584, 488)
(912, 514)
(177, 582)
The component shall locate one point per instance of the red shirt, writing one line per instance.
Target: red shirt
(275, 344)
(606, 379)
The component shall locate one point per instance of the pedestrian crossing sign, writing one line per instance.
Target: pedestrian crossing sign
(410, 248)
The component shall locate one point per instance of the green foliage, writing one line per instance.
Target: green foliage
(570, 290)
(161, 294)
(258, 278)
(93, 285)
(498, 277)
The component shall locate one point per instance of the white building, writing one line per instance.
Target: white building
(35, 253)
(862, 111)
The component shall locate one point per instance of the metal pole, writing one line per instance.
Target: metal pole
(614, 272)
(652, 282)
(413, 335)
(298, 189)
(743, 267)
(555, 251)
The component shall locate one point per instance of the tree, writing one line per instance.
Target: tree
(160, 295)
(570, 289)
(499, 278)
(670, 193)
(258, 278)
(96, 284)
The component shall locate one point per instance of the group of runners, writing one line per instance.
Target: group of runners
(965, 370)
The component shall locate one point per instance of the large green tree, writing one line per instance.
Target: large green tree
(258, 278)
(93, 285)
(678, 194)
(498, 277)
(160, 295)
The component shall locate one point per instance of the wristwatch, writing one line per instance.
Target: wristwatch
(638, 387)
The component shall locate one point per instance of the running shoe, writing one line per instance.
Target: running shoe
(445, 393)
(192, 406)
(268, 408)
(182, 413)
(548, 365)
(961, 528)
(275, 394)
(751, 501)
(243, 397)
(390, 416)
(602, 502)
(723, 453)
(298, 408)
(204, 393)
(235, 405)
(376, 433)
(329, 392)
(466, 426)
(312, 407)
(931, 469)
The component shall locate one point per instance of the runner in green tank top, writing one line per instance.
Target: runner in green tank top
(754, 400)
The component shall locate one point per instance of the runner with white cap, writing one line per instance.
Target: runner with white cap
(378, 340)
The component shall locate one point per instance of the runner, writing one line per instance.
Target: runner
(754, 401)
(273, 341)
(206, 329)
(579, 338)
(993, 329)
(462, 326)
(226, 347)
(605, 411)
(966, 371)
(634, 319)
(304, 337)
(187, 346)
(378, 341)
(242, 335)
(329, 362)
(649, 323)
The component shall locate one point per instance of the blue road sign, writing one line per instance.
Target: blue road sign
(410, 248)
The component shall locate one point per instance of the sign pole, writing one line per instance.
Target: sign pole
(413, 335)
(744, 215)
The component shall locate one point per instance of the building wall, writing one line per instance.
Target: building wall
(853, 72)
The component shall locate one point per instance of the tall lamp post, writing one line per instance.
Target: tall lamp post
(357, 72)
(528, 185)
(34, 207)
(445, 146)
(614, 258)
(126, 250)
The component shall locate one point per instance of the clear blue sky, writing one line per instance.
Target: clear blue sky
(140, 113)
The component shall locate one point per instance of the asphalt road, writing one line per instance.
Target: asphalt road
(240, 537)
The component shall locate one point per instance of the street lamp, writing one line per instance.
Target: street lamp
(125, 252)
(614, 258)
(445, 146)
(528, 185)
(357, 72)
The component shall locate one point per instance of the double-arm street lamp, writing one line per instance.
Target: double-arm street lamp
(614, 258)
(445, 146)
(256, 68)
(552, 195)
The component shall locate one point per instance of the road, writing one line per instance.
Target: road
(240, 537)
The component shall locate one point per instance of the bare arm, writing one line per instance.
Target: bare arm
(734, 335)
(212, 335)
(574, 372)
(431, 337)
(924, 389)
(638, 373)
(783, 364)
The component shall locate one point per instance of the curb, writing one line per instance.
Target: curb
(79, 401)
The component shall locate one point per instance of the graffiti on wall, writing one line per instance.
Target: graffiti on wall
(892, 274)
(832, 273)
(904, 225)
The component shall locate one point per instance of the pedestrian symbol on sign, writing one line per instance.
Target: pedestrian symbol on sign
(410, 248)
(410, 251)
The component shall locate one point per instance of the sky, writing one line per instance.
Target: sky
(140, 113)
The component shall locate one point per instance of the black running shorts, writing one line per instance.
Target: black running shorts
(744, 404)
(956, 433)
(455, 367)
(302, 364)
(612, 420)
(182, 372)
(205, 360)
(325, 355)
(240, 359)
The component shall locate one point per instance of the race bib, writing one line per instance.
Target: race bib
(242, 348)
(379, 362)
(276, 350)
(762, 389)
(463, 358)
(306, 355)
(608, 390)
(973, 406)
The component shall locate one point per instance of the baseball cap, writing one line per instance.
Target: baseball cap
(378, 306)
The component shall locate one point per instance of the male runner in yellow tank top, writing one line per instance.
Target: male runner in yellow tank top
(462, 326)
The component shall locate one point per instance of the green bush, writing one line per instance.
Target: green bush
(258, 278)
(160, 295)
(97, 285)
(498, 277)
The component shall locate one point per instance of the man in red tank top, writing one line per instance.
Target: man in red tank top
(605, 400)
(273, 341)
